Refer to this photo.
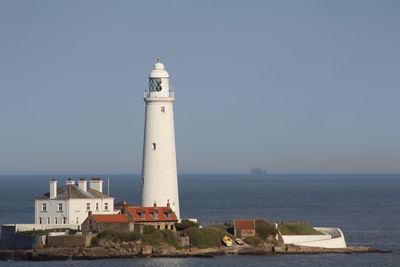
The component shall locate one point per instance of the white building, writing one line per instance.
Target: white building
(160, 180)
(71, 203)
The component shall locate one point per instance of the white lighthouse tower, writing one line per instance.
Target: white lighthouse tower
(159, 173)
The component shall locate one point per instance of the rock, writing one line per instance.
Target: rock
(147, 250)
(165, 250)
(6, 255)
(279, 249)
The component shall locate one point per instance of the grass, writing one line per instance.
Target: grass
(297, 229)
(208, 237)
(185, 224)
(252, 240)
(150, 236)
(264, 228)
(116, 236)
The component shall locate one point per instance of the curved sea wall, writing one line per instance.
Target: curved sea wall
(331, 238)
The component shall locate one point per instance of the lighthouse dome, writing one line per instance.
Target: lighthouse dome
(159, 71)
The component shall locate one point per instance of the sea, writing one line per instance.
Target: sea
(366, 207)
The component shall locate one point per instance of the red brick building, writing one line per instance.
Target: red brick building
(244, 228)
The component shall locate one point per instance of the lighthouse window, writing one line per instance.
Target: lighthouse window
(163, 109)
(155, 85)
(154, 146)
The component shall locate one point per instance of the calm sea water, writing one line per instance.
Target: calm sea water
(365, 207)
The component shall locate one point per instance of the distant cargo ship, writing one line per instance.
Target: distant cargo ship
(258, 171)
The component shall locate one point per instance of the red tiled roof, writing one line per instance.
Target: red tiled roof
(244, 224)
(96, 179)
(152, 214)
(118, 218)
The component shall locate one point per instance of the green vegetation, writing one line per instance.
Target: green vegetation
(94, 242)
(150, 236)
(208, 237)
(185, 224)
(264, 228)
(297, 229)
(205, 238)
(116, 236)
(170, 238)
(252, 240)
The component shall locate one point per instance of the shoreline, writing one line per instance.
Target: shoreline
(95, 253)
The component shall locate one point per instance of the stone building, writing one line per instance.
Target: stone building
(159, 217)
(244, 228)
(97, 223)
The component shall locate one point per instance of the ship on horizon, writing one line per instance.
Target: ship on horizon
(258, 171)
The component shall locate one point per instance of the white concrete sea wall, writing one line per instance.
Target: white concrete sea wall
(332, 238)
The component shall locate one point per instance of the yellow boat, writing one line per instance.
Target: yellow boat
(227, 241)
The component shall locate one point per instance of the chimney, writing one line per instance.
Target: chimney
(82, 184)
(168, 205)
(155, 204)
(53, 188)
(96, 184)
(69, 181)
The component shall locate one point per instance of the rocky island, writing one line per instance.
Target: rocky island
(187, 241)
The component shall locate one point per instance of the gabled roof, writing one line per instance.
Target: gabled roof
(152, 214)
(73, 191)
(121, 204)
(116, 218)
(244, 224)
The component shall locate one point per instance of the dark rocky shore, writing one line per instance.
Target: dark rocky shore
(131, 250)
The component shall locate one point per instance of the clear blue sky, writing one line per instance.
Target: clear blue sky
(293, 86)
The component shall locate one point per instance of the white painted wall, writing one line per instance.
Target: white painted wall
(160, 180)
(332, 238)
(74, 210)
(30, 227)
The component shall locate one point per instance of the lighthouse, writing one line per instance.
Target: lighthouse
(159, 172)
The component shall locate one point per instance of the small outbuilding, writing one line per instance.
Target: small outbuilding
(244, 228)
(96, 223)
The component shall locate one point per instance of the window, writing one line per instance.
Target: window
(97, 206)
(40, 220)
(44, 207)
(106, 206)
(155, 85)
(87, 206)
(163, 109)
(154, 146)
(77, 220)
(55, 220)
(172, 227)
(60, 207)
(64, 220)
(158, 227)
(48, 220)
(166, 227)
